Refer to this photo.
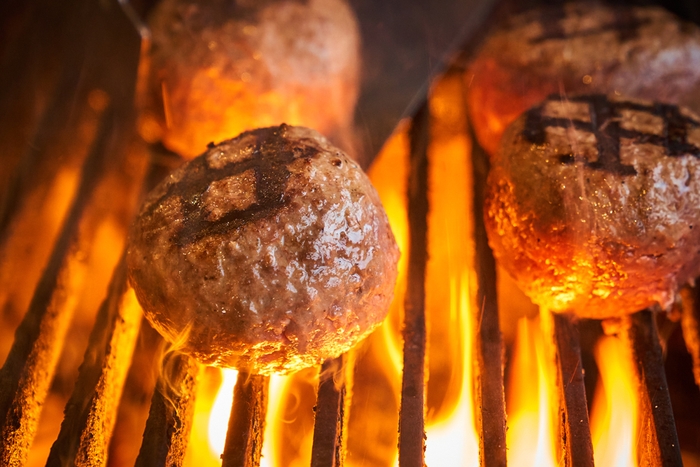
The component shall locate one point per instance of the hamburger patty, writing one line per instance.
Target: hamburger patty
(270, 252)
(592, 203)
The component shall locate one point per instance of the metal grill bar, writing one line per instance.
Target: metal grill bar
(244, 439)
(22, 99)
(170, 418)
(575, 430)
(25, 377)
(412, 412)
(90, 414)
(490, 393)
(658, 438)
(329, 442)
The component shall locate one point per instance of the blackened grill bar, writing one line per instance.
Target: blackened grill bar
(94, 398)
(412, 411)
(575, 431)
(170, 417)
(659, 441)
(329, 442)
(244, 438)
(89, 418)
(491, 403)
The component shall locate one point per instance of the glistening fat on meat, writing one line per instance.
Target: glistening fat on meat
(270, 252)
(592, 203)
(581, 48)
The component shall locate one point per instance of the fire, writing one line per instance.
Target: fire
(530, 401)
(450, 424)
(221, 411)
(454, 441)
(372, 435)
(290, 420)
(271, 437)
(200, 452)
(212, 413)
(389, 175)
(614, 414)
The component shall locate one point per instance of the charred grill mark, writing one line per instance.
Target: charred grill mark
(606, 129)
(675, 134)
(625, 23)
(536, 124)
(551, 23)
(269, 162)
(605, 125)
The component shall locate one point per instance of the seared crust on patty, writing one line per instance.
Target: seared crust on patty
(592, 203)
(269, 252)
(221, 67)
(576, 48)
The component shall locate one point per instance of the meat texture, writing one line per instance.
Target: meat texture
(592, 204)
(221, 67)
(270, 252)
(581, 48)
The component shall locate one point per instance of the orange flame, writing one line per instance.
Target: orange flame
(389, 174)
(289, 421)
(272, 419)
(450, 425)
(221, 412)
(212, 413)
(531, 402)
(200, 452)
(614, 414)
(454, 440)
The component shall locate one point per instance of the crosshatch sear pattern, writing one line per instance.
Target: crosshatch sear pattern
(601, 124)
(592, 203)
(581, 48)
(271, 252)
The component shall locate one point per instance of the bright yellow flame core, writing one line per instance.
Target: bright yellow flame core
(221, 412)
(531, 403)
(389, 174)
(614, 414)
(452, 439)
(271, 439)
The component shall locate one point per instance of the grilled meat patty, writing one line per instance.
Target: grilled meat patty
(592, 203)
(581, 48)
(270, 252)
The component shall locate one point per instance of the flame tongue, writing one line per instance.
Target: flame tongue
(221, 411)
(531, 401)
(614, 413)
(451, 433)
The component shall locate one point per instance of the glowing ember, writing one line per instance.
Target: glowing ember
(614, 413)
(531, 401)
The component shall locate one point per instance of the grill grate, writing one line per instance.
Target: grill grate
(86, 432)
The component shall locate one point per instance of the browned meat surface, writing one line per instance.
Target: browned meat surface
(221, 67)
(577, 48)
(593, 204)
(270, 252)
